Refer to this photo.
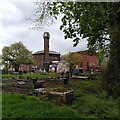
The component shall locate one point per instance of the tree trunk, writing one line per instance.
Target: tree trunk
(16, 68)
(112, 74)
(71, 70)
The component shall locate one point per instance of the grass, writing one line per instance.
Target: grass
(0, 106)
(93, 102)
(20, 106)
(35, 75)
(90, 102)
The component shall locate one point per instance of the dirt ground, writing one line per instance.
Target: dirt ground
(12, 86)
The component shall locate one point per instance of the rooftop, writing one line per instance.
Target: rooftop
(50, 52)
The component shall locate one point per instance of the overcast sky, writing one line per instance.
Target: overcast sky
(14, 27)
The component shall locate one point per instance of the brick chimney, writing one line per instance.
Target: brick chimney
(46, 37)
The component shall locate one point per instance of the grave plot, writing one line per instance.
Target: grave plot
(59, 95)
(17, 86)
(54, 90)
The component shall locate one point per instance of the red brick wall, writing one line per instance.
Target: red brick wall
(86, 59)
(46, 49)
(54, 57)
(39, 59)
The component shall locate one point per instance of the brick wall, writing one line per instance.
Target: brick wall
(39, 59)
(88, 60)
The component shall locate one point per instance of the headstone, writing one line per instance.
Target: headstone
(21, 83)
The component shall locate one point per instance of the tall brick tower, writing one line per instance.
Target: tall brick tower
(46, 37)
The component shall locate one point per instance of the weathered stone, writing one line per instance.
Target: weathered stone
(62, 97)
(21, 83)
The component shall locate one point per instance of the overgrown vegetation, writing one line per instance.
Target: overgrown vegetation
(19, 106)
(35, 75)
(91, 101)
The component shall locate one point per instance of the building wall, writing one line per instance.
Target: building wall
(53, 57)
(39, 59)
(46, 49)
(88, 60)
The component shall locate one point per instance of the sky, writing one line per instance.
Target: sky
(14, 28)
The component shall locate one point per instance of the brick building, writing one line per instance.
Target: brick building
(39, 58)
(88, 61)
(44, 57)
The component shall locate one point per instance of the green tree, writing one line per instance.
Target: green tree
(103, 56)
(99, 23)
(1, 62)
(15, 55)
(73, 59)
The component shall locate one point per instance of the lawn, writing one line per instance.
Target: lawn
(90, 102)
(20, 106)
(35, 75)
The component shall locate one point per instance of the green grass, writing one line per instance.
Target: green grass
(35, 75)
(90, 102)
(19, 106)
(93, 104)
(0, 106)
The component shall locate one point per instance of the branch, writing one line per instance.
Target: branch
(106, 39)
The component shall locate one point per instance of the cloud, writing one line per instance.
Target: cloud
(14, 27)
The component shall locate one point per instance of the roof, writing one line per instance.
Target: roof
(50, 52)
(86, 53)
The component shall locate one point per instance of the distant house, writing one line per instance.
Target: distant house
(40, 60)
(43, 58)
(88, 61)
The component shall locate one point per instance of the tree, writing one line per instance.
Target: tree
(0, 62)
(100, 24)
(103, 57)
(73, 59)
(15, 55)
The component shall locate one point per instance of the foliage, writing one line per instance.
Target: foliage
(73, 59)
(16, 54)
(103, 56)
(80, 20)
(99, 23)
(86, 20)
